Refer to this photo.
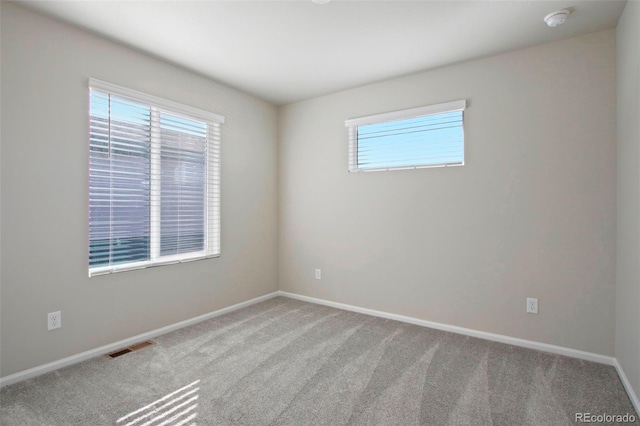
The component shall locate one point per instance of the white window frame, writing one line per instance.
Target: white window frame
(353, 124)
(212, 239)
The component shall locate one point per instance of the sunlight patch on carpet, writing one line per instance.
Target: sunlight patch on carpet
(178, 408)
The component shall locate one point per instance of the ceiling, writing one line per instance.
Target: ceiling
(287, 51)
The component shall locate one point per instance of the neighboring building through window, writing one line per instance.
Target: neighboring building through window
(154, 181)
(431, 136)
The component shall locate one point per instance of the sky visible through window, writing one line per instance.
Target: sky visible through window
(127, 111)
(421, 141)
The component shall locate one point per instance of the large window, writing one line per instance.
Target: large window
(431, 136)
(154, 181)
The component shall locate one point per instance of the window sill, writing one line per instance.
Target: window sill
(166, 260)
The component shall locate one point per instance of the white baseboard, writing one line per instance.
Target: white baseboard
(625, 381)
(103, 350)
(545, 347)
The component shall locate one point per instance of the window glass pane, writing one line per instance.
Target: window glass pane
(183, 185)
(119, 190)
(421, 141)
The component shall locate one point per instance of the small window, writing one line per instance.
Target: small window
(154, 181)
(431, 136)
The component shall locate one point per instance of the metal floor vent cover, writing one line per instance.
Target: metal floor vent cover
(131, 348)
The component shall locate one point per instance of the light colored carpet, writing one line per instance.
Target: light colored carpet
(286, 362)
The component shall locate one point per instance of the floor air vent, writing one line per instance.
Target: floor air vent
(131, 348)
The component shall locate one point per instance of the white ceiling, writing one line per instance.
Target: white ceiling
(286, 51)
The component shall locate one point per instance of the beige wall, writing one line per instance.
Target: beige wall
(45, 68)
(532, 213)
(628, 241)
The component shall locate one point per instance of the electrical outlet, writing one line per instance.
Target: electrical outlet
(54, 320)
(318, 274)
(532, 305)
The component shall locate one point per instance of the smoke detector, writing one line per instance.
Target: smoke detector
(556, 18)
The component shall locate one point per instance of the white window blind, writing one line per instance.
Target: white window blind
(430, 136)
(154, 181)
